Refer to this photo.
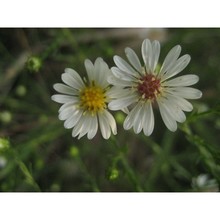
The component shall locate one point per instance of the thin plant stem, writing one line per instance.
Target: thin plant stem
(88, 175)
(130, 172)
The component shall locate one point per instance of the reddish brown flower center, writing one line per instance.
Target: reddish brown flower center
(149, 87)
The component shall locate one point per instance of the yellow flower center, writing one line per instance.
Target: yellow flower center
(92, 99)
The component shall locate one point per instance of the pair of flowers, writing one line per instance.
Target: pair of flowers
(133, 88)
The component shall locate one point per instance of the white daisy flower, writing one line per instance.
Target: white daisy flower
(85, 101)
(140, 87)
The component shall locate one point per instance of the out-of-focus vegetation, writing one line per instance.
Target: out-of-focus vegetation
(38, 154)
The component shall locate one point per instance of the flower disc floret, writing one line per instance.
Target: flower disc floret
(149, 87)
(93, 99)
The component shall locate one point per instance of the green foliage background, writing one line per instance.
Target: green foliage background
(38, 154)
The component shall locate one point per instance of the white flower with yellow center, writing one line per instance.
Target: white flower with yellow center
(85, 101)
(139, 87)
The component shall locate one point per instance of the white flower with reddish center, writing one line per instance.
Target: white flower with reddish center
(138, 87)
(85, 101)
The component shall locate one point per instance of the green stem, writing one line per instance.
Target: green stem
(130, 172)
(206, 151)
(28, 177)
(90, 177)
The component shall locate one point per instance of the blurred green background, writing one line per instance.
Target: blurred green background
(38, 154)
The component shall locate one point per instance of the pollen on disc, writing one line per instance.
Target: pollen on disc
(93, 99)
(149, 87)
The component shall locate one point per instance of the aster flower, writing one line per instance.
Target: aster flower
(139, 87)
(85, 101)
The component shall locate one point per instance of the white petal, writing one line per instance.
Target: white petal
(101, 72)
(86, 126)
(66, 105)
(59, 87)
(123, 65)
(93, 127)
(76, 130)
(181, 102)
(118, 82)
(170, 59)
(122, 102)
(167, 118)
(74, 75)
(66, 112)
(117, 92)
(174, 110)
(121, 74)
(186, 92)
(79, 126)
(155, 55)
(138, 120)
(146, 50)
(104, 126)
(97, 70)
(125, 110)
(73, 119)
(148, 118)
(89, 69)
(186, 80)
(64, 98)
(71, 81)
(111, 121)
(133, 59)
(129, 120)
(105, 74)
(180, 64)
